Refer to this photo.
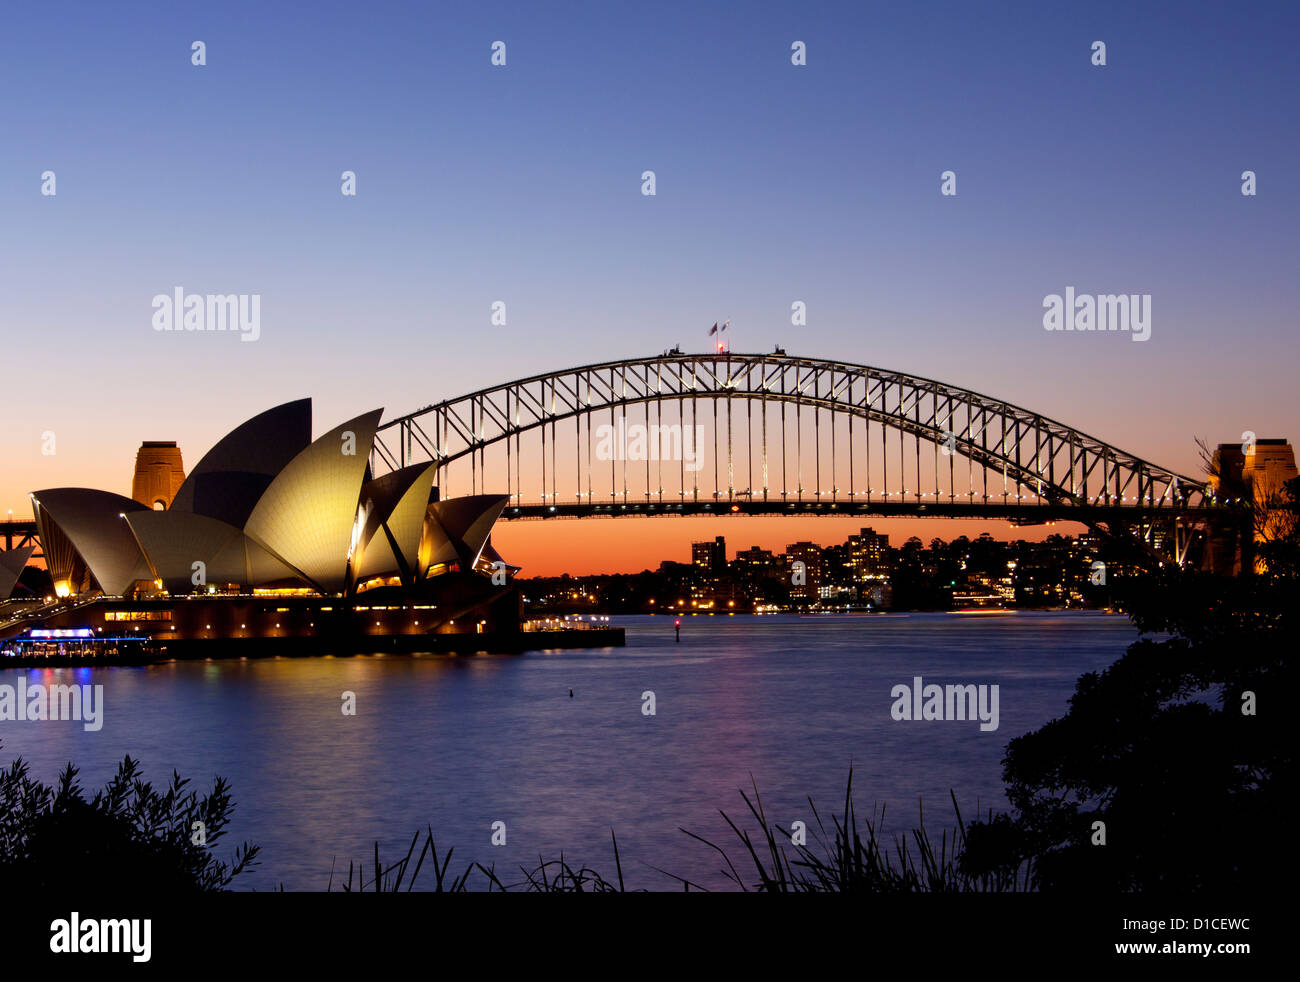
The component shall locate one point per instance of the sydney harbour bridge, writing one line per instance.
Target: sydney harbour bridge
(725, 433)
(775, 434)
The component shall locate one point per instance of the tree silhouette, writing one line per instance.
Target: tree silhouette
(1182, 748)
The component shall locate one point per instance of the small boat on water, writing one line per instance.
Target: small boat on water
(75, 646)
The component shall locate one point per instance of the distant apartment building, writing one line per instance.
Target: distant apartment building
(834, 594)
(803, 564)
(755, 563)
(988, 583)
(710, 557)
(867, 556)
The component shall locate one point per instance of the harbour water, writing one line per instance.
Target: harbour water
(459, 743)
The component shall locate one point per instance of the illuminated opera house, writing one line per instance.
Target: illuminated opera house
(275, 535)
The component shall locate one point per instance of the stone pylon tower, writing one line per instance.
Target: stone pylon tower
(159, 474)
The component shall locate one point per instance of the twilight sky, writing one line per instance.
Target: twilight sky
(522, 184)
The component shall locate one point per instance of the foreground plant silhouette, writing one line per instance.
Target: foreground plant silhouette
(128, 837)
(856, 857)
(853, 856)
(549, 876)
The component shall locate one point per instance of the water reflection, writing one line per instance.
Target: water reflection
(458, 742)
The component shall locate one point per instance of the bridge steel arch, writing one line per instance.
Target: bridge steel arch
(1046, 470)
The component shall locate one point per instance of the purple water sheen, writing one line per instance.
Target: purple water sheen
(461, 742)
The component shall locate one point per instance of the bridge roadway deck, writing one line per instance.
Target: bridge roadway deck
(12, 533)
(1017, 512)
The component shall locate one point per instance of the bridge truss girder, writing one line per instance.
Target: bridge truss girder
(1058, 465)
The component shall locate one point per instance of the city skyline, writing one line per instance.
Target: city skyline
(865, 571)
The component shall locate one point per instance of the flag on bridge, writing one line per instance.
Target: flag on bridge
(714, 329)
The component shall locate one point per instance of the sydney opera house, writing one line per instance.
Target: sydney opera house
(273, 535)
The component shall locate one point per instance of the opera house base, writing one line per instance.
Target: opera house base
(467, 618)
